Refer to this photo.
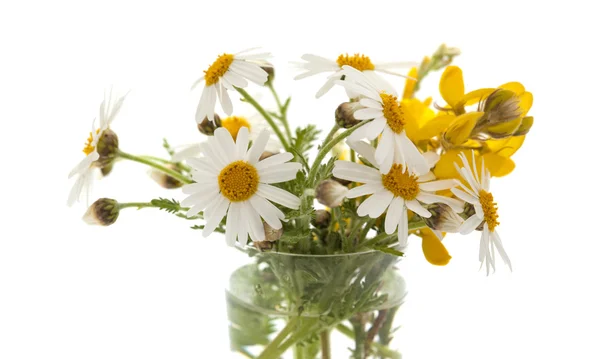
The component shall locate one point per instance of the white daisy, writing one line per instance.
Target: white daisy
(225, 73)
(255, 124)
(388, 121)
(316, 64)
(396, 191)
(109, 108)
(232, 182)
(477, 193)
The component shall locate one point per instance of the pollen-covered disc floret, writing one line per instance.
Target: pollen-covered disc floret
(358, 61)
(109, 108)
(218, 69)
(394, 192)
(490, 209)
(393, 113)
(238, 181)
(476, 191)
(314, 65)
(401, 183)
(226, 73)
(232, 181)
(380, 104)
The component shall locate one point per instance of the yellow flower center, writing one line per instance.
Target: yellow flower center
(233, 125)
(490, 209)
(358, 61)
(218, 69)
(88, 147)
(393, 112)
(401, 184)
(238, 181)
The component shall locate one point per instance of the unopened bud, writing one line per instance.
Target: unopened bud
(525, 126)
(107, 148)
(502, 114)
(272, 234)
(443, 218)
(207, 127)
(344, 114)
(322, 219)
(270, 70)
(164, 180)
(266, 154)
(106, 170)
(103, 212)
(331, 193)
(263, 245)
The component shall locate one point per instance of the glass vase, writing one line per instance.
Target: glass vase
(283, 305)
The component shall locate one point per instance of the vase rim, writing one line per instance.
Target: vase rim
(247, 248)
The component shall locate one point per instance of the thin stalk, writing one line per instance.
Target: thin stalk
(359, 336)
(377, 323)
(331, 133)
(155, 165)
(325, 345)
(162, 160)
(327, 147)
(381, 349)
(384, 236)
(282, 111)
(138, 205)
(272, 351)
(266, 115)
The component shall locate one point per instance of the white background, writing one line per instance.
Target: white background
(148, 287)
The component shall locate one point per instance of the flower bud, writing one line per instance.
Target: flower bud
(263, 246)
(103, 212)
(106, 170)
(525, 126)
(330, 193)
(322, 219)
(266, 154)
(270, 70)
(272, 234)
(460, 129)
(344, 114)
(443, 218)
(502, 114)
(164, 180)
(107, 148)
(207, 127)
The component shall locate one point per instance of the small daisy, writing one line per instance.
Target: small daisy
(395, 191)
(255, 124)
(109, 108)
(388, 121)
(477, 193)
(232, 182)
(225, 73)
(316, 64)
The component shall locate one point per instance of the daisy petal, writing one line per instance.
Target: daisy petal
(274, 160)
(470, 224)
(394, 214)
(364, 190)
(258, 147)
(416, 207)
(278, 195)
(232, 224)
(267, 211)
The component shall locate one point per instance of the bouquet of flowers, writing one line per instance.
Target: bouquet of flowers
(391, 165)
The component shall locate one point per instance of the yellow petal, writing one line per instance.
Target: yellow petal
(435, 126)
(525, 102)
(506, 147)
(460, 129)
(515, 87)
(444, 168)
(409, 85)
(475, 96)
(452, 87)
(497, 165)
(434, 249)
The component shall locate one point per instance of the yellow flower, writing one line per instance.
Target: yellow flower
(434, 250)
(497, 164)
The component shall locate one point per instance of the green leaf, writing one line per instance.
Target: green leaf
(304, 139)
(169, 205)
(389, 250)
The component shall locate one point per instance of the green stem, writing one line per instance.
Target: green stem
(267, 117)
(381, 349)
(272, 351)
(383, 236)
(325, 345)
(359, 336)
(159, 167)
(138, 205)
(331, 133)
(282, 111)
(327, 147)
(162, 160)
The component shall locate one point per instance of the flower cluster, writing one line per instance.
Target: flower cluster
(392, 165)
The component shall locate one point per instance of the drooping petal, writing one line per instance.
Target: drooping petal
(267, 211)
(220, 209)
(394, 214)
(233, 223)
(470, 224)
